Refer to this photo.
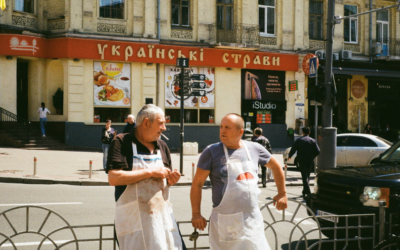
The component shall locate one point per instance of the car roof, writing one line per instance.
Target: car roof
(358, 134)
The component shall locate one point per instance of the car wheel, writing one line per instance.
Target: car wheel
(374, 161)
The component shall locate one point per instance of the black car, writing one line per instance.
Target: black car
(358, 190)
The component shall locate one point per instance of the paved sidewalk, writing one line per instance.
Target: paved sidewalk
(72, 167)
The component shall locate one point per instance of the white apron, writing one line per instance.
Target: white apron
(237, 223)
(143, 217)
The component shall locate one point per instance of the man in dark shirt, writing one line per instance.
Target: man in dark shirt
(130, 124)
(307, 149)
(133, 159)
(259, 138)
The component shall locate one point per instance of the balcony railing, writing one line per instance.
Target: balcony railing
(240, 34)
(386, 47)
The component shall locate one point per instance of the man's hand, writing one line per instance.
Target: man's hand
(199, 222)
(173, 177)
(289, 159)
(280, 201)
(161, 172)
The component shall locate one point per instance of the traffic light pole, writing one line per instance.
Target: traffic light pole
(182, 117)
(327, 136)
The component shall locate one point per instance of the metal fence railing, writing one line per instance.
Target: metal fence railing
(300, 233)
(11, 123)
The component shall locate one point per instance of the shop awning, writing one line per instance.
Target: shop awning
(364, 72)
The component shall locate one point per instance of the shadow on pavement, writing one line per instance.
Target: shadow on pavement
(364, 245)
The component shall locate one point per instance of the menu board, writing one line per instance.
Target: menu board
(196, 94)
(112, 84)
(263, 85)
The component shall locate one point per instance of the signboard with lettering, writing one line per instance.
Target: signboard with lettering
(358, 89)
(263, 85)
(124, 51)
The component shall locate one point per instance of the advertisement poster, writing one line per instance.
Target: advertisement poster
(196, 94)
(263, 85)
(112, 84)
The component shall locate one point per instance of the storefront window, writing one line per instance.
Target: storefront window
(112, 9)
(198, 95)
(112, 88)
(114, 114)
(25, 6)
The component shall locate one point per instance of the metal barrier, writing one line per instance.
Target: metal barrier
(11, 227)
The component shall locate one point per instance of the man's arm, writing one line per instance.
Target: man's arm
(198, 221)
(293, 149)
(119, 177)
(281, 198)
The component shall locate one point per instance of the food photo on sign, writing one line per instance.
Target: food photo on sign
(196, 94)
(112, 84)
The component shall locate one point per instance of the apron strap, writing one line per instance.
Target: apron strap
(226, 153)
(134, 148)
(247, 151)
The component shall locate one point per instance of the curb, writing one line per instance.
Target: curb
(32, 180)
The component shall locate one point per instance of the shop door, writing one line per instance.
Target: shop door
(22, 90)
(339, 119)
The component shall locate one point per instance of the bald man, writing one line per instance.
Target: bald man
(236, 221)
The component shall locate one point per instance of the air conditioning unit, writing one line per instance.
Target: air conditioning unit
(335, 56)
(320, 54)
(376, 50)
(346, 54)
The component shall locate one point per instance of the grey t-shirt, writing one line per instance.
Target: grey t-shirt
(213, 159)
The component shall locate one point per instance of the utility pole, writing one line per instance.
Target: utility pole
(327, 135)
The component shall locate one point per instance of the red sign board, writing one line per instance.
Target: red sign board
(306, 63)
(23, 45)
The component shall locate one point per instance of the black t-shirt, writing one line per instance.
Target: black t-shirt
(120, 155)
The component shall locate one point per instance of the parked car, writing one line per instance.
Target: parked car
(358, 190)
(352, 149)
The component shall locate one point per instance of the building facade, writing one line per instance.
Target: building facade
(110, 57)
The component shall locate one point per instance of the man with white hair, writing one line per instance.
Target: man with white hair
(130, 124)
(139, 166)
(236, 221)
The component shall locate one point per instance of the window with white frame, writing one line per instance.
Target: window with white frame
(382, 26)
(315, 21)
(180, 13)
(25, 6)
(266, 17)
(112, 9)
(351, 24)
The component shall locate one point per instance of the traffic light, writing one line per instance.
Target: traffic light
(193, 85)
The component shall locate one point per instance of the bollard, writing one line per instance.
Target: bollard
(382, 222)
(34, 166)
(90, 169)
(192, 170)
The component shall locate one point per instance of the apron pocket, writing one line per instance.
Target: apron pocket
(127, 218)
(230, 227)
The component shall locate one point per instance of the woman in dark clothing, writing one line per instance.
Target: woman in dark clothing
(107, 135)
(367, 129)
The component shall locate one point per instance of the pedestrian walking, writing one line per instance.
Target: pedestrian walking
(139, 166)
(236, 221)
(129, 125)
(367, 129)
(259, 138)
(107, 135)
(43, 111)
(307, 149)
